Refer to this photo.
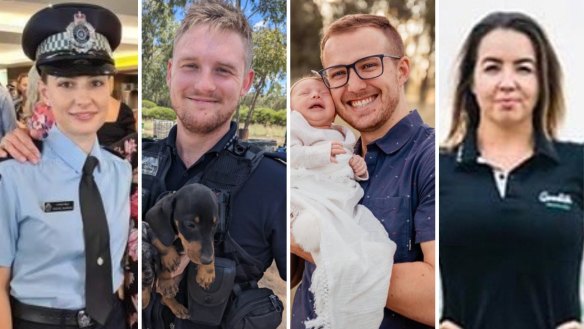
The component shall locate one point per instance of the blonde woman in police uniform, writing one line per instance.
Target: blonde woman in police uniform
(63, 222)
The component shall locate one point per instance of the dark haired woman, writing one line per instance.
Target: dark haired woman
(511, 218)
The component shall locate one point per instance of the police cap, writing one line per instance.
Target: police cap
(72, 39)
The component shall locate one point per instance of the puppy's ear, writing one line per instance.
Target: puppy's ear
(160, 218)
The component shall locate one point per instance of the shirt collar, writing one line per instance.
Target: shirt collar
(223, 143)
(70, 153)
(468, 152)
(398, 135)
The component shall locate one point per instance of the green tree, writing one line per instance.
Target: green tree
(269, 64)
(159, 112)
(305, 32)
(148, 104)
(158, 28)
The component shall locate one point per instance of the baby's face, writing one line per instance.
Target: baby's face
(313, 100)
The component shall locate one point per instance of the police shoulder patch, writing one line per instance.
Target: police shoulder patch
(149, 165)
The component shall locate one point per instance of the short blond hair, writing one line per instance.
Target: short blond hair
(351, 23)
(32, 93)
(220, 15)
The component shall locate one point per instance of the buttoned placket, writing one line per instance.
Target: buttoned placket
(501, 176)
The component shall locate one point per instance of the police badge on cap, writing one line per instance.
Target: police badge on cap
(81, 34)
(72, 39)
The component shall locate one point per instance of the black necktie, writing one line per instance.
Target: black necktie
(98, 267)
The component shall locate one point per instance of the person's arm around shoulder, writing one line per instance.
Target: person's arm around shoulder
(5, 312)
(412, 286)
(20, 146)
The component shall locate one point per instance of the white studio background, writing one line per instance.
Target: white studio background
(563, 23)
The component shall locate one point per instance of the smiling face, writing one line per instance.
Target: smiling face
(367, 105)
(79, 104)
(206, 77)
(505, 81)
(311, 98)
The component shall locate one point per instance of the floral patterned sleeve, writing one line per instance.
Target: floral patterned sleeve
(128, 148)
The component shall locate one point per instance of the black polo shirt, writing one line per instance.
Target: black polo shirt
(510, 255)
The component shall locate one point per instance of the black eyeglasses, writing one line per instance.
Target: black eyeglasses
(366, 68)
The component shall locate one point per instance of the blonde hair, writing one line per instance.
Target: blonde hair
(32, 93)
(220, 15)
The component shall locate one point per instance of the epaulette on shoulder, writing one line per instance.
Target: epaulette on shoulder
(114, 152)
(279, 157)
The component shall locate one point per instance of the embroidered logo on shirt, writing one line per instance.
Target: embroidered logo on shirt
(150, 166)
(58, 206)
(560, 200)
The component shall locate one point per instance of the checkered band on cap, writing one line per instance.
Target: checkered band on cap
(62, 42)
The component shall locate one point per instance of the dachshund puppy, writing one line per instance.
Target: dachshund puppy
(191, 215)
(150, 264)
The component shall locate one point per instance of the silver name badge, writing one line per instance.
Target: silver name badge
(58, 206)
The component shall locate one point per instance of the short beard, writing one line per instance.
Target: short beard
(209, 125)
(382, 117)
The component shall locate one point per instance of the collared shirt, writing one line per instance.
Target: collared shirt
(511, 242)
(258, 208)
(7, 113)
(400, 193)
(45, 248)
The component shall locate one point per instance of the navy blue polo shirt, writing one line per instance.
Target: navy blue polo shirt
(511, 242)
(400, 193)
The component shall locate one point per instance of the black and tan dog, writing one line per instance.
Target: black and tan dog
(150, 264)
(190, 214)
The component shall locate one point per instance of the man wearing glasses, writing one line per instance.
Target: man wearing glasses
(366, 71)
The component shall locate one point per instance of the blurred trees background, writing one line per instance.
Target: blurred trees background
(414, 19)
(160, 19)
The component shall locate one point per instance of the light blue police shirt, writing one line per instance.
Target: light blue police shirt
(46, 248)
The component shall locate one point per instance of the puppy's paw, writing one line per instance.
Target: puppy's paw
(176, 308)
(181, 312)
(146, 294)
(167, 288)
(170, 260)
(205, 275)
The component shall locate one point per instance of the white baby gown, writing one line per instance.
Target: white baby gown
(351, 249)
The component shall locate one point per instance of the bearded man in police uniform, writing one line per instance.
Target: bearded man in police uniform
(210, 70)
